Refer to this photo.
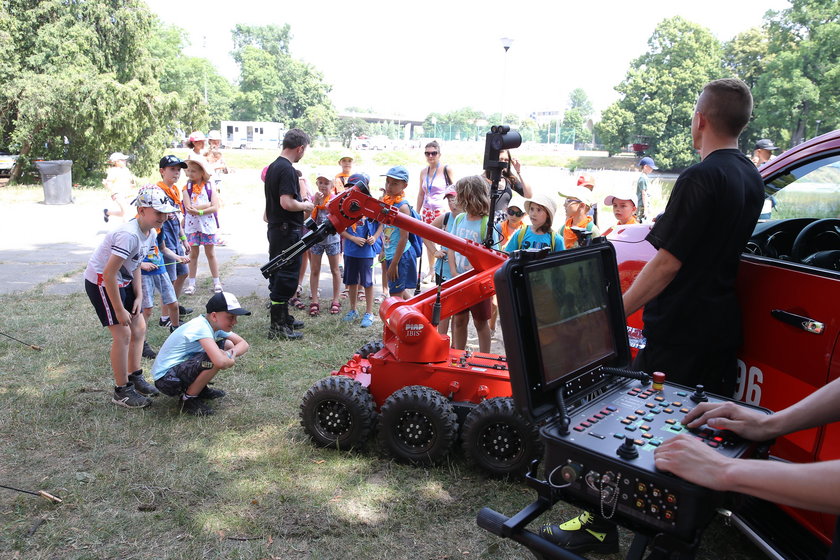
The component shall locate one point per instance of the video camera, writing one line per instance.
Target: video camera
(500, 137)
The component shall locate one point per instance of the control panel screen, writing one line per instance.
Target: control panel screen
(571, 317)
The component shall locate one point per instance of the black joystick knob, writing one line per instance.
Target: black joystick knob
(699, 395)
(628, 450)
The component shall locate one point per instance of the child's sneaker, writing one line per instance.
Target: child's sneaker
(142, 386)
(148, 351)
(129, 397)
(208, 393)
(195, 407)
(351, 315)
(184, 310)
(164, 322)
(367, 320)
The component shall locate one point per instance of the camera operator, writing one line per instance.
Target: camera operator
(813, 486)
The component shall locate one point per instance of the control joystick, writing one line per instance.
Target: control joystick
(699, 395)
(628, 450)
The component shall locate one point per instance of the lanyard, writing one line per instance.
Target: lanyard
(429, 183)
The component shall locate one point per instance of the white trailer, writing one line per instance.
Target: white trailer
(252, 134)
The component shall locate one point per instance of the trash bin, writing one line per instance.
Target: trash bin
(57, 179)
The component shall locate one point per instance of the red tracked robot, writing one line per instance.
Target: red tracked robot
(412, 384)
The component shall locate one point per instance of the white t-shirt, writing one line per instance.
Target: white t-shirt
(183, 344)
(127, 242)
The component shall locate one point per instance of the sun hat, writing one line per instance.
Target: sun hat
(580, 193)
(202, 164)
(118, 156)
(214, 135)
(225, 301)
(545, 200)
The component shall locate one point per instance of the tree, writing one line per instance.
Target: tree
(319, 120)
(270, 38)
(660, 89)
(82, 83)
(348, 129)
(801, 82)
(615, 128)
(576, 116)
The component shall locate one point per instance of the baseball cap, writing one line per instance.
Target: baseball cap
(765, 144)
(346, 156)
(544, 200)
(225, 301)
(624, 195)
(324, 177)
(647, 161)
(118, 156)
(152, 196)
(357, 178)
(214, 135)
(585, 180)
(398, 172)
(172, 161)
(517, 201)
(450, 191)
(580, 193)
(197, 136)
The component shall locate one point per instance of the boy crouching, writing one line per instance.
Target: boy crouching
(196, 351)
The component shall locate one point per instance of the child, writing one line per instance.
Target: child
(471, 224)
(360, 247)
(330, 245)
(514, 218)
(445, 222)
(647, 166)
(173, 229)
(578, 202)
(541, 209)
(200, 222)
(624, 206)
(155, 279)
(112, 282)
(196, 351)
(341, 179)
(400, 260)
(120, 182)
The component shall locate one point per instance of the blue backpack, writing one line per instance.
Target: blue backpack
(414, 240)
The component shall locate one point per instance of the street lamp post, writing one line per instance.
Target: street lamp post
(506, 43)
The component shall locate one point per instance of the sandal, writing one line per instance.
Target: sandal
(314, 309)
(296, 301)
(335, 308)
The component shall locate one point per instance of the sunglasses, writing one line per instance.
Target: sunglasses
(512, 212)
(572, 201)
(430, 154)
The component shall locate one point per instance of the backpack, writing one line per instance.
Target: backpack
(521, 236)
(414, 240)
(484, 219)
(209, 194)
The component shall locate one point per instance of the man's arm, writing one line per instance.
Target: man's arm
(654, 277)
(289, 204)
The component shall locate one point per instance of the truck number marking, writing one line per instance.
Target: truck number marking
(749, 384)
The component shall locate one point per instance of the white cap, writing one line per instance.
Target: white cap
(118, 156)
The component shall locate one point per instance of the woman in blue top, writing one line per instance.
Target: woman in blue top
(541, 209)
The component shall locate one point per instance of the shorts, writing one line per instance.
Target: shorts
(358, 271)
(407, 274)
(179, 377)
(160, 283)
(481, 311)
(104, 309)
(199, 238)
(428, 215)
(174, 270)
(330, 249)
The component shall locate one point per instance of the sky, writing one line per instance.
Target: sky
(413, 58)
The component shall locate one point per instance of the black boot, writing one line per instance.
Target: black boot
(294, 323)
(280, 323)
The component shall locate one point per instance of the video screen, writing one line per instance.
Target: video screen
(571, 318)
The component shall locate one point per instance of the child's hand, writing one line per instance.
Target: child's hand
(394, 271)
(359, 241)
(123, 316)
(439, 254)
(183, 259)
(318, 198)
(147, 266)
(370, 240)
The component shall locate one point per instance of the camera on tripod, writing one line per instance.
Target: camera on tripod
(500, 137)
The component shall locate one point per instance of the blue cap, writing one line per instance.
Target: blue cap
(647, 161)
(357, 178)
(398, 172)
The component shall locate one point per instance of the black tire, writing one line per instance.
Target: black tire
(418, 425)
(338, 412)
(370, 348)
(498, 440)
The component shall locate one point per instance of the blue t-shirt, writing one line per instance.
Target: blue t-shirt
(442, 264)
(534, 240)
(473, 230)
(183, 344)
(364, 229)
(154, 256)
(170, 232)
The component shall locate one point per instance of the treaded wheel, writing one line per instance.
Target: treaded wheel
(370, 348)
(498, 440)
(338, 412)
(418, 425)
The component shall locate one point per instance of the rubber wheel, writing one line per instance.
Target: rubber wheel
(498, 440)
(418, 425)
(370, 348)
(338, 412)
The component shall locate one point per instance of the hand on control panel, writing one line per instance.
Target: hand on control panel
(689, 458)
(747, 423)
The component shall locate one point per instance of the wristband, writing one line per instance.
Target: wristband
(201, 212)
(183, 238)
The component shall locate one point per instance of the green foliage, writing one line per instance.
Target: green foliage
(579, 111)
(660, 89)
(348, 129)
(269, 38)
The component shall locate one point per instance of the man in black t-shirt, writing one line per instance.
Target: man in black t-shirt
(284, 212)
(692, 321)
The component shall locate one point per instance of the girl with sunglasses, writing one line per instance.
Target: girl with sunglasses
(514, 218)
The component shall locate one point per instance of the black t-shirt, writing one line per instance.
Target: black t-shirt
(281, 178)
(709, 218)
